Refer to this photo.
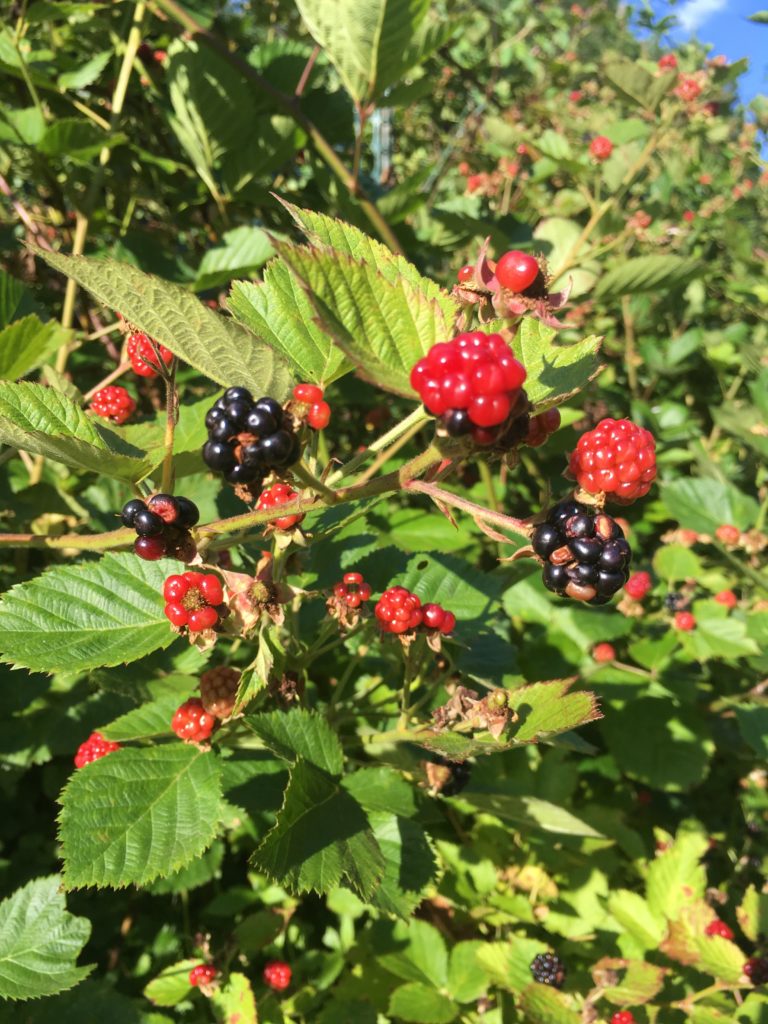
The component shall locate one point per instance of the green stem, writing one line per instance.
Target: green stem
(308, 478)
(171, 415)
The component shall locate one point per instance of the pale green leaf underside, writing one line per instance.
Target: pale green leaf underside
(139, 814)
(279, 312)
(43, 421)
(384, 327)
(93, 615)
(40, 942)
(322, 837)
(27, 343)
(221, 349)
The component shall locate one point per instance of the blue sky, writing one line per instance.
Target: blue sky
(724, 24)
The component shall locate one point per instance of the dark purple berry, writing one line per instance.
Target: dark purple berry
(131, 509)
(548, 969)
(457, 422)
(277, 448)
(189, 513)
(240, 474)
(261, 422)
(237, 413)
(555, 577)
(271, 406)
(222, 429)
(149, 548)
(237, 395)
(147, 524)
(213, 416)
(546, 539)
(580, 526)
(219, 456)
(586, 549)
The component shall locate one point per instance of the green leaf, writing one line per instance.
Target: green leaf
(644, 273)
(15, 301)
(86, 74)
(280, 314)
(675, 562)
(139, 814)
(420, 1004)
(258, 930)
(530, 811)
(368, 41)
(93, 615)
(383, 326)
(91, 1001)
(640, 982)
(27, 343)
(221, 349)
(676, 877)
(752, 913)
(636, 84)
(759, 17)
(453, 584)
(556, 372)
(45, 422)
(245, 249)
(467, 981)
(688, 943)
(321, 837)
(541, 1004)
(705, 504)
(414, 951)
(145, 722)
(509, 963)
(299, 734)
(40, 942)
(409, 862)
(172, 984)
(234, 1002)
(636, 917)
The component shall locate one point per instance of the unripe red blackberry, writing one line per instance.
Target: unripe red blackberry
(142, 356)
(617, 458)
(191, 722)
(604, 652)
(728, 534)
(684, 621)
(202, 975)
(353, 590)
(623, 1017)
(600, 148)
(727, 598)
(275, 496)
(277, 975)
(93, 748)
(192, 600)
(113, 403)
(638, 585)
(398, 610)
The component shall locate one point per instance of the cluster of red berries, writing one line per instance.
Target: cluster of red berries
(193, 600)
(162, 523)
(638, 585)
(202, 975)
(318, 412)
(114, 404)
(616, 458)
(474, 384)
(352, 590)
(94, 748)
(585, 554)
(623, 1017)
(247, 439)
(141, 352)
(191, 722)
(720, 928)
(669, 60)
(277, 975)
(400, 611)
(600, 148)
(275, 496)
(687, 89)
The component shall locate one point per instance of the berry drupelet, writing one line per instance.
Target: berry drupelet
(162, 524)
(540, 428)
(247, 439)
(277, 975)
(94, 748)
(684, 621)
(517, 271)
(192, 600)
(191, 722)
(548, 969)
(202, 975)
(114, 404)
(275, 496)
(142, 355)
(473, 384)
(309, 399)
(727, 598)
(617, 458)
(585, 554)
(623, 1017)
(353, 590)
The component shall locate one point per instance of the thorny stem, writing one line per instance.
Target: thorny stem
(437, 494)
(290, 104)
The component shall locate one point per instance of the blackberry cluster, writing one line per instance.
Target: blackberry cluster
(162, 524)
(586, 556)
(548, 969)
(247, 439)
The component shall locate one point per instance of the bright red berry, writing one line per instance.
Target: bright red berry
(190, 600)
(687, 89)
(398, 610)
(352, 590)
(669, 60)
(113, 403)
(575, 95)
(149, 548)
(277, 975)
(684, 621)
(142, 355)
(191, 722)
(600, 147)
(604, 652)
(93, 748)
(517, 270)
(466, 273)
(728, 534)
(728, 598)
(688, 216)
(638, 585)
(720, 928)
(202, 975)
(623, 1017)
(617, 457)
(275, 496)
(541, 427)
(310, 394)
(319, 416)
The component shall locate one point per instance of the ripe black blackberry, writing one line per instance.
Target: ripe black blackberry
(585, 554)
(756, 969)
(548, 969)
(247, 439)
(162, 523)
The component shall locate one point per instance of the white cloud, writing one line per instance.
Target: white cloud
(693, 13)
